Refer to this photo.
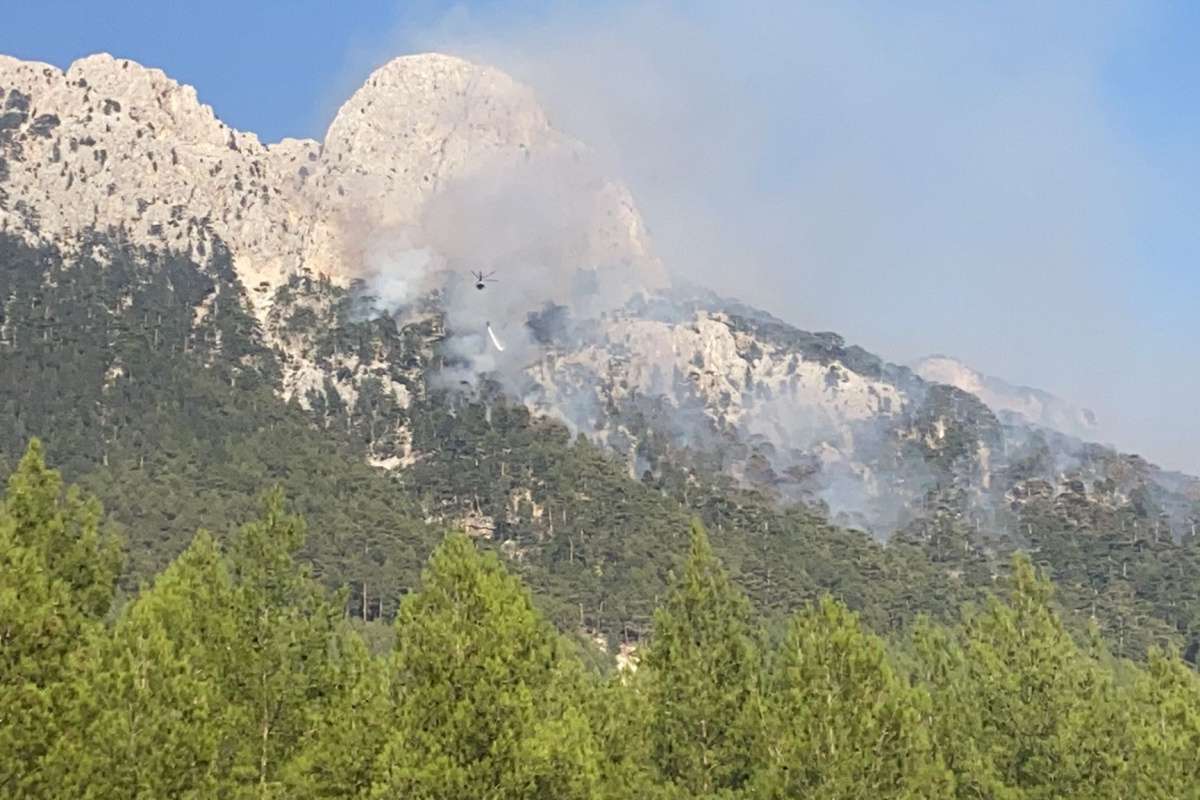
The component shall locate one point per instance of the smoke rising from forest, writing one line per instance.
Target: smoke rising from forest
(922, 179)
(528, 224)
(913, 182)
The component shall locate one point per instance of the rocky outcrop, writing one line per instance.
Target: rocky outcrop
(1031, 405)
(736, 379)
(436, 164)
(110, 143)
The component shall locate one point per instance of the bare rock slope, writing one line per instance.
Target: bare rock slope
(436, 164)
(1032, 405)
(110, 143)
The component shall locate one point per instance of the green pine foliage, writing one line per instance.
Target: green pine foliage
(146, 717)
(486, 701)
(236, 674)
(279, 670)
(169, 416)
(58, 569)
(214, 680)
(1028, 712)
(155, 392)
(703, 670)
(1164, 702)
(338, 758)
(841, 721)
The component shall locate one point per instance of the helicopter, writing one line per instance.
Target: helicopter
(482, 278)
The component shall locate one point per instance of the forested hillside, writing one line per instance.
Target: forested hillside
(235, 674)
(174, 425)
(188, 314)
(152, 388)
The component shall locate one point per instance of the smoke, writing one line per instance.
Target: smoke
(920, 178)
(917, 180)
(397, 273)
(534, 225)
(848, 465)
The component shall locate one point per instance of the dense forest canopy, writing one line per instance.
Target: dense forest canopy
(174, 420)
(233, 673)
(271, 534)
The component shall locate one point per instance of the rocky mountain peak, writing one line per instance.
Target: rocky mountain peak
(437, 166)
(1027, 404)
(419, 121)
(112, 144)
(440, 153)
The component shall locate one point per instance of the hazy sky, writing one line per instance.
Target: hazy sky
(1015, 184)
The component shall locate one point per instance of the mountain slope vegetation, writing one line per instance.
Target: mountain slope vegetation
(174, 424)
(155, 390)
(235, 674)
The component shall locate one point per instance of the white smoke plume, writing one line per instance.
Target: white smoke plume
(921, 178)
(910, 180)
(397, 272)
(535, 224)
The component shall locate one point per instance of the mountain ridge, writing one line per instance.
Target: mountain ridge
(331, 275)
(368, 206)
(77, 130)
(1033, 405)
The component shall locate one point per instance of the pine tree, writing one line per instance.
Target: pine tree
(703, 669)
(486, 700)
(619, 718)
(57, 575)
(939, 665)
(65, 532)
(146, 719)
(279, 674)
(36, 633)
(338, 760)
(1035, 717)
(841, 722)
(1166, 729)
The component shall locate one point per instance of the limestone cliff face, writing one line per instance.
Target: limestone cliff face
(437, 166)
(109, 142)
(425, 130)
(734, 379)
(1031, 405)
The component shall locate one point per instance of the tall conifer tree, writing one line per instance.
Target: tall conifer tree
(1035, 716)
(280, 677)
(1166, 729)
(147, 718)
(58, 570)
(841, 722)
(487, 701)
(338, 760)
(703, 669)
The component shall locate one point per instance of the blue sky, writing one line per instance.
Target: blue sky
(264, 66)
(901, 177)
